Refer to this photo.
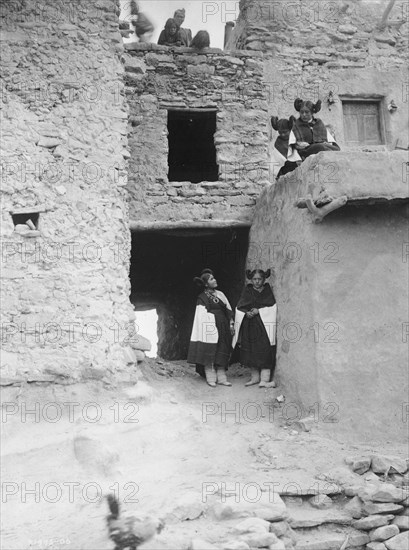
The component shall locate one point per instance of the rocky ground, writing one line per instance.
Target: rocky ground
(222, 466)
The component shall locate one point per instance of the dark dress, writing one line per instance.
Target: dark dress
(255, 348)
(202, 352)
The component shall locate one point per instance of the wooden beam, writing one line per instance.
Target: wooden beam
(186, 224)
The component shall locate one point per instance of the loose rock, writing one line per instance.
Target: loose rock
(354, 507)
(402, 522)
(371, 508)
(382, 464)
(358, 539)
(322, 502)
(360, 465)
(384, 492)
(375, 546)
(252, 525)
(279, 528)
(400, 542)
(188, 508)
(372, 522)
(384, 533)
(260, 540)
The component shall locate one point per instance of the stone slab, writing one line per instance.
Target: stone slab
(304, 518)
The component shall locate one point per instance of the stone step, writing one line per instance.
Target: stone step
(325, 539)
(303, 517)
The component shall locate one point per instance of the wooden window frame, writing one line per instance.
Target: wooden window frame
(380, 101)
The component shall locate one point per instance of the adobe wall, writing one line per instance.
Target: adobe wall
(342, 292)
(159, 79)
(65, 287)
(312, 48)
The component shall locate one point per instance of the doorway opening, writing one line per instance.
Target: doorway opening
(146, 323)
(163, 265)
(192, 152)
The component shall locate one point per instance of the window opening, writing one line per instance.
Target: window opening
(362, 122)
(192, 152)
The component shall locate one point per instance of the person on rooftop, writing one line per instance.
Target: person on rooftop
(185, 34)
(309, 135)
(201, 40)
(170, 36)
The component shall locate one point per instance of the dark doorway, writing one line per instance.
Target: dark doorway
(192, 153)
(163, 265)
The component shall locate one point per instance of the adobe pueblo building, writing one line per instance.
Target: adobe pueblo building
(126, 169)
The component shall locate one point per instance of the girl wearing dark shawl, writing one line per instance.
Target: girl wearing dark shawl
(280, 151)
(309, 134)
(170, 36)
(256, 316)
(213, 327)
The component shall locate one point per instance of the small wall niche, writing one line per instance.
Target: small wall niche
(31, 219)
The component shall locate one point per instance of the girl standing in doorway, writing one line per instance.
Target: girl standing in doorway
(256, 316)
(213, 328)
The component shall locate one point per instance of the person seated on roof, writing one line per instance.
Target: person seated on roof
(185, 34)
(280, 151)
(170, 36)
(309, 135)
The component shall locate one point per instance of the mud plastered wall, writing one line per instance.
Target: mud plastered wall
(65, 287)
(314, 48)
(342, 293)
(159, 79)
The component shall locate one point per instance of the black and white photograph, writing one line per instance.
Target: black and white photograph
(204, 274)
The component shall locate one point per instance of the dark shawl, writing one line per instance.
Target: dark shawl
(204, 347)
(255, 334)
(252, 298)
(311, 132)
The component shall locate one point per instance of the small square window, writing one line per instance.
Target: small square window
(362, 122)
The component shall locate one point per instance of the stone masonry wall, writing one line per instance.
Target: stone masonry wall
(158, 79)
(65, 287)
(312, 48)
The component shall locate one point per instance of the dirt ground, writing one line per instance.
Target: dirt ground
(169, 446)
